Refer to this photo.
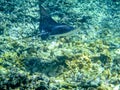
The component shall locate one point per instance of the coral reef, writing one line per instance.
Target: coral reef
(89, 59)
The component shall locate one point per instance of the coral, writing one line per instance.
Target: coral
(88, 59)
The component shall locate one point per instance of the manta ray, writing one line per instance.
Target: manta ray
(48, 26)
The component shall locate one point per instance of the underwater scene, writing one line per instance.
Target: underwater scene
(59, 44)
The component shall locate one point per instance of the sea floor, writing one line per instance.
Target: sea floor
(88, 59)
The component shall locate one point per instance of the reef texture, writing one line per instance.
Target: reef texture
(88, 59)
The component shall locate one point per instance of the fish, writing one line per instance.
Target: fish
(48, 26)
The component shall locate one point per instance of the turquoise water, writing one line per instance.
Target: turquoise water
(86, 59)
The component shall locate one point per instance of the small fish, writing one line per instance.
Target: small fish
(48, 26)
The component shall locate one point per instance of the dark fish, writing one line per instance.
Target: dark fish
(48, 26)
